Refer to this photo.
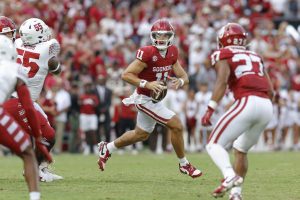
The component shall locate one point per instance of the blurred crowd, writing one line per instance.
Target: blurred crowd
(99, 38)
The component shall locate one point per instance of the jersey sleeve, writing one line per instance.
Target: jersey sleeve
(144, 54)
(221, 54)
(54, 48)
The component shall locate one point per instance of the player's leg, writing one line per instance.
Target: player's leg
(229, 127)
(248, 139)
(161, 114)
(18, 113)
(144, 127)
(30, 170)
(176, 128)
(48, 134)
(18, 141)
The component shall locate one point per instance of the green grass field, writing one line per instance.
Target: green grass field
(271, 176)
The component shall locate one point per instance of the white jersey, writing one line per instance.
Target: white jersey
(34, 60)
(9, 74)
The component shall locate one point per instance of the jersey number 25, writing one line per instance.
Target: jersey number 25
(28, 61)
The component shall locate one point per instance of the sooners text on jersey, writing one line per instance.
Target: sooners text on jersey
(246, 71)
(158, 67)
(35, 59)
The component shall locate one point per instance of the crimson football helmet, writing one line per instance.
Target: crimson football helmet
(7, 26)
(162, 34)
(232, 34)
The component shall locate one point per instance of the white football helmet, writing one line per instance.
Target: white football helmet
(7, 49)
(34, 31)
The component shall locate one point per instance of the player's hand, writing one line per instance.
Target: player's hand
(205, 121)
(176, 82)
(42, 149)
(155, 86)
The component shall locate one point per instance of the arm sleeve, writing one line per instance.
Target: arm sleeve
(25, 100)
(54, 48)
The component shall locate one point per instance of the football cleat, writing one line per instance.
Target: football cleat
(103, 155)
(190, 170)
(46, 175)
(226, 185)
(235, 196)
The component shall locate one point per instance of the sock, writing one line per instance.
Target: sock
(34, 195)
(111, 147)
(183, 161)
(221, 158)
(236, 190)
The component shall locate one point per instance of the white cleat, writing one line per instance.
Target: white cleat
(46, 175)
(235, 196)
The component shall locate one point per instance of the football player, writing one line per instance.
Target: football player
(152, 66)
(12, 78)
(243, 71)
(7, 28)
(37, 53)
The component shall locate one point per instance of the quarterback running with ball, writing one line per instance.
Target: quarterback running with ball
(153, 66)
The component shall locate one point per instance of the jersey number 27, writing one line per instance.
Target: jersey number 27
(28, 61)
(248, 67)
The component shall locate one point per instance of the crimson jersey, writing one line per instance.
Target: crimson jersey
(158, 67)
(246, 71)
(89, 102)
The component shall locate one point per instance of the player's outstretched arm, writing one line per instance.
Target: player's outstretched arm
(181, 76)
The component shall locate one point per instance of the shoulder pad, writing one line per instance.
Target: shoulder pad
(144, 53)
(221, 54)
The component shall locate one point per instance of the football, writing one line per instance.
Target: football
(156, 97)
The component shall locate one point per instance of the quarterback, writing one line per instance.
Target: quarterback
(149, 72)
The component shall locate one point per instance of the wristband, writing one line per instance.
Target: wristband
(143, 83)
(212, 104)
(181, 82)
